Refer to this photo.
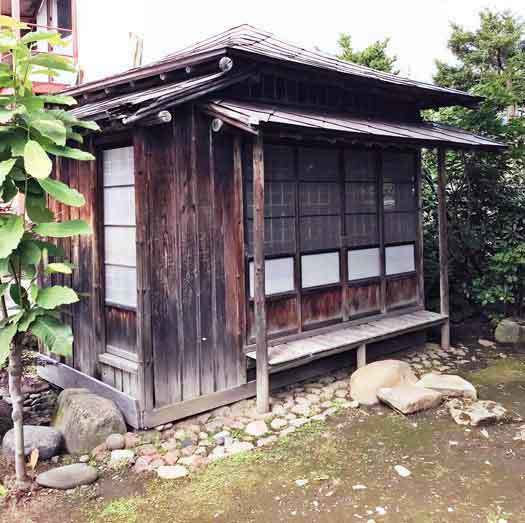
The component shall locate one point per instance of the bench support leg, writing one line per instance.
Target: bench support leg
(445, 335)
(361, 356)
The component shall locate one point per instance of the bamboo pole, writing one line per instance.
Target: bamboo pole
(263, 375)
(443, 248)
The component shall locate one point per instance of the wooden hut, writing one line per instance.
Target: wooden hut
(257, 216)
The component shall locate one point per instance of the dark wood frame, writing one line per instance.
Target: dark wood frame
(344, 284)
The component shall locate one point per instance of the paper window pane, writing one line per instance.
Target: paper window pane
(121, 285)
(119, 206)
(400, 259)
(120, 246)
(320, 269)
(118, 167)
(363, 263)
(279, 276)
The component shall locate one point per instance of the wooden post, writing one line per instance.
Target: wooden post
(15, 13)
(263, 375)
(361, 356)
(419, 232)
(443, 247)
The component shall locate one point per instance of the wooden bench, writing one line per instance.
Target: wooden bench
(299, 351)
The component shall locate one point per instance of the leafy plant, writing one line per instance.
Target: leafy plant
(375, 55)
(485, 192)
(33, 129)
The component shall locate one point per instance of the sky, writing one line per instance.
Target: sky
(418, 29)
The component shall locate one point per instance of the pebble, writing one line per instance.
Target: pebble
(402, 471)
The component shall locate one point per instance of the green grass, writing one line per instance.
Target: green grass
(122, 510)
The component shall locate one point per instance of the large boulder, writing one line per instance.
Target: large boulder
(47, 440)
(510, 331)
(476, 413)
(68, 477)
(86, 420)
(409, 399)
(449, 385)
(366, 381)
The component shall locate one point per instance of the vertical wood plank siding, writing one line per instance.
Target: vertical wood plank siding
(196, 322)
(143, 206)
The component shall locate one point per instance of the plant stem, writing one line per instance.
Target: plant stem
(15, 390)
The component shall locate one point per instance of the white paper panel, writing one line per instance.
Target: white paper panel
(119, 246)
(320, 269)
(278, 276)
(363, 263)
(121, 285)
(118, 166)
(399, 259)
(119, 206)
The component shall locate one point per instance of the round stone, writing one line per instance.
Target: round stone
(121, 457)
(278, 424)
(47, 440)
(68, 477)
(115, 442)
(172, 472)
(256, 428)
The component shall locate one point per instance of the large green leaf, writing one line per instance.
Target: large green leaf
(11, 23)
(29, 252)
(5, 168)
(36, 161)
(69, 152)
(6, 337)
(11, 232)
(59, 268)
(36, 208)
(51, 248)
(56, 295)
(8, 190)
(53, 61)
(58, 99)
(55, 335)
(52, 129)
(63, 229)
(29, 317)
(52, 37)
(31, 102)
(17, 293)
(16, 139)
(61, 192)
(6, 115)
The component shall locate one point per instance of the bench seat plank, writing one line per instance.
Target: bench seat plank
(350, 337)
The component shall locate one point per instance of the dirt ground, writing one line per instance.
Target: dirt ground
(342, 470)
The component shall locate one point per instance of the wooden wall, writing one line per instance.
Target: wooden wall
(195, 274)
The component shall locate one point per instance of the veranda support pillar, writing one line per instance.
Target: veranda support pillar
(263, 375)
(443, 247)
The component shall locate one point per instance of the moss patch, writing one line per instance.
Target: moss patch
(499, 371)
